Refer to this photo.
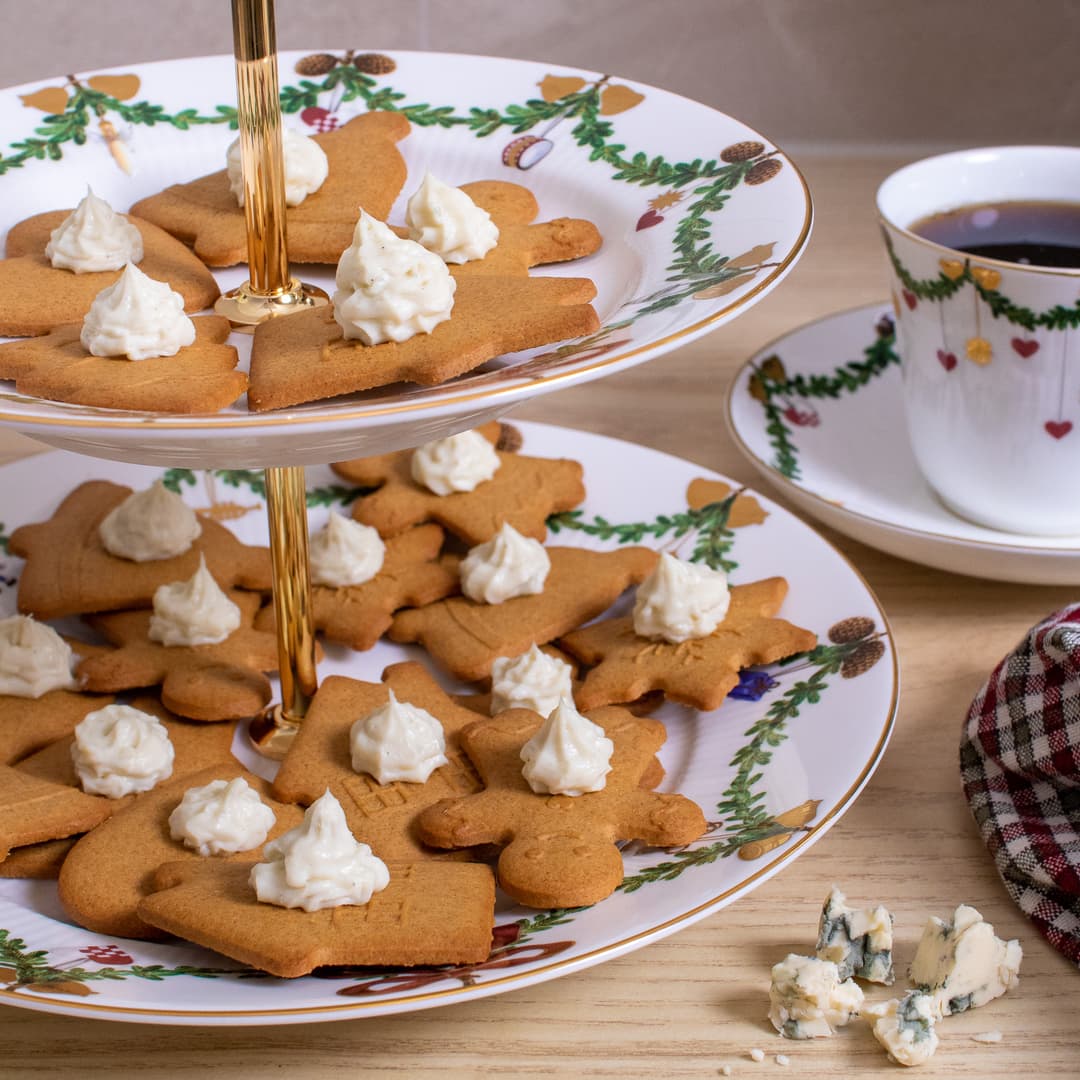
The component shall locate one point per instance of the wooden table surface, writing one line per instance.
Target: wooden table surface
(690, 1004)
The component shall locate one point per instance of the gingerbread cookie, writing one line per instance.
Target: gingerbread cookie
(38, 297)
(523, 493)
(382, 815)
(560, 850)
(29, 724)
(466, 637)
(306, 357)
(32, 809)
(199, 682)
(196, 747)
(200, 378)
(430, 913)
(108, 872)
(357, 615)
(69, 572)
(366, 170)
(699, 672)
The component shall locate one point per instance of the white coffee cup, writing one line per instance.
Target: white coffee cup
(990, 350)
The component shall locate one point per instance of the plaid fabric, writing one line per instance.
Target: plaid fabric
(1020, 764)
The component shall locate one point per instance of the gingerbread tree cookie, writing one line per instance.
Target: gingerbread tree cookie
(38, 297)
(430, 913)
(466, 637)
(200, 377)
(523, 492)
(358, 615)
(366, 170)
(699, 672)
(200, 682)
(306, 357)
(69, 572)
(560, 850)
(107, 873)
(32, 809)
(382, 815)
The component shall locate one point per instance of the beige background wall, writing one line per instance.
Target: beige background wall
(913, 74)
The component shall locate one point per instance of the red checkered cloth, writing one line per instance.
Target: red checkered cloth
(1020, 764)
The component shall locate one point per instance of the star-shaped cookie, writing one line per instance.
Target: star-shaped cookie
(200, 682)
(366, 170)
(199, 378)
(306, 357)
(466, 637)
(108, 871)
(36, 297)
(523, 492)
(412, 574)
(382, 815)
(560, 850)
(69, 572)
(430, 913)
(699, 672)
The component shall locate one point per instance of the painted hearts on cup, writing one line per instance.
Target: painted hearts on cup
(910, 299)
(1025, 347)
(951, 268)
(1058, 428)
(648, 220)
(987, 278)
(946, 359)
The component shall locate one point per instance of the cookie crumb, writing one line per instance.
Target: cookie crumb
(783, 1059)
(987, 1037)
(757, 1055)
(725, 1070)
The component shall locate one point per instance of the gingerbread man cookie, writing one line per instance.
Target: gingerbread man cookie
(560, 850)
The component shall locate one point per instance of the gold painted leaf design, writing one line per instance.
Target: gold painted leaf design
(979, 351)
(799, 815)
(617, 99)
(951, 268)
(724, 287)
(120, 87)
(60, 986)
(553, 87)
(757, 848)
(772, 367)
(987, 278)
(50, 99)
(754, 257)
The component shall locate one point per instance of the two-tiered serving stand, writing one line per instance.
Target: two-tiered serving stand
(700, 217)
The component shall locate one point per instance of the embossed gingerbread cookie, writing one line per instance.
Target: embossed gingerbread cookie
(69, 572)
(560, 850)
(382, 815)
(699, 672)
(366, 170)
(465, 637)
(412, 574)
(199, 378)
(306, 357)
(523, 492)
(36, 297)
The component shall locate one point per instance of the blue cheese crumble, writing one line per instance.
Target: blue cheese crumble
(808, 999)
(905, 1027)
(859, 942)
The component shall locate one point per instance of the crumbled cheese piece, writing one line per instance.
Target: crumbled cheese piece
(808, 999)
(783, 1059)
(963, 964)
(757, 1055)
(987, 1037)
(725, 1070)
(858, 942)
(905, 1027)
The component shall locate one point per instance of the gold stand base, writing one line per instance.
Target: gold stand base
(272, 733)
(245, 309)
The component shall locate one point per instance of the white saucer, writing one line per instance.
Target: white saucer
(846, 459)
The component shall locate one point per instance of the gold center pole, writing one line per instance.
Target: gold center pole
(271, 291)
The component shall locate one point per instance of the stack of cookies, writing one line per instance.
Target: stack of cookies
(399, 805)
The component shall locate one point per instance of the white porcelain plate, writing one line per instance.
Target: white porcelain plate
(773, 768)
(700, 215)
(819, 413)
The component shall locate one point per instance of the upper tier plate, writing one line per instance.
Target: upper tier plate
(655, 172)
